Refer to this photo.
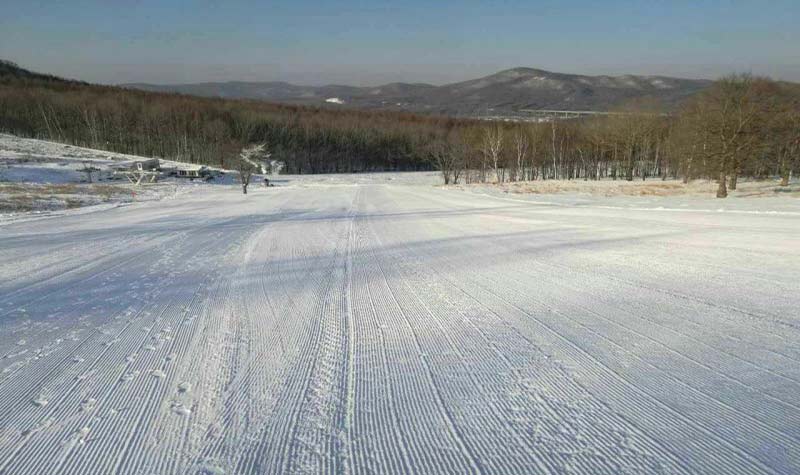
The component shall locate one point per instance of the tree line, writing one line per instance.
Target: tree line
(742, 126)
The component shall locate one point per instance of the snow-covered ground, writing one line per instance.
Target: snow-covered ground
(763, 196)
(785, 205)
(385, 327)
(40, 178)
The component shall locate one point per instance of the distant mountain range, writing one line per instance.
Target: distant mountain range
(505, 92)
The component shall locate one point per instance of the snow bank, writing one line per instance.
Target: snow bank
(655, 195)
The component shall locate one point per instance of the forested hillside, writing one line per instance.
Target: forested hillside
(740, 126)
(211, 131)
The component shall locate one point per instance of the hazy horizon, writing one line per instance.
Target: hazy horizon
(366, 44)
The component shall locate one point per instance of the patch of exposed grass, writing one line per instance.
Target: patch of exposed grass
(25, 197)
(654, 187)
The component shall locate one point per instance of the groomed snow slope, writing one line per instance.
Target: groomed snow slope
(398, 329)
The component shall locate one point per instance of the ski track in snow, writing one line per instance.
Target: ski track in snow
(385, 328)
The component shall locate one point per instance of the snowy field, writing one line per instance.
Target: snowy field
(39, 178)
(378, 325)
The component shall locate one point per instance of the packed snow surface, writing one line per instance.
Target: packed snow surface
(389, 328)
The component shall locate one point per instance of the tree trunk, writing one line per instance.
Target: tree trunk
(555, 167)
(785, 170)
(733, 179)
(244, 188)
(722, 191)
(629, 166)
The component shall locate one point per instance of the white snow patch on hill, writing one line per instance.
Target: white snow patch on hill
(40, 178)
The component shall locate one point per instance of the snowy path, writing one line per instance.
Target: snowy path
(398, 329)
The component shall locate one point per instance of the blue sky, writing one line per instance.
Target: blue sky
(372, 42)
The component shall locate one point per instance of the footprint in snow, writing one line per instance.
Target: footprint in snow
(184, 387)
(181, 410)
(129, 375)
(40, 401)
(211, 467)
(88, 405)
(80, 437)
(158, 374)
(84, 376)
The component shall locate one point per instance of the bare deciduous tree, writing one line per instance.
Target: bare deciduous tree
(248, 160)
(521, 143)
(448, 155)
(493, 147)
(785, 128)
(732, 112)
